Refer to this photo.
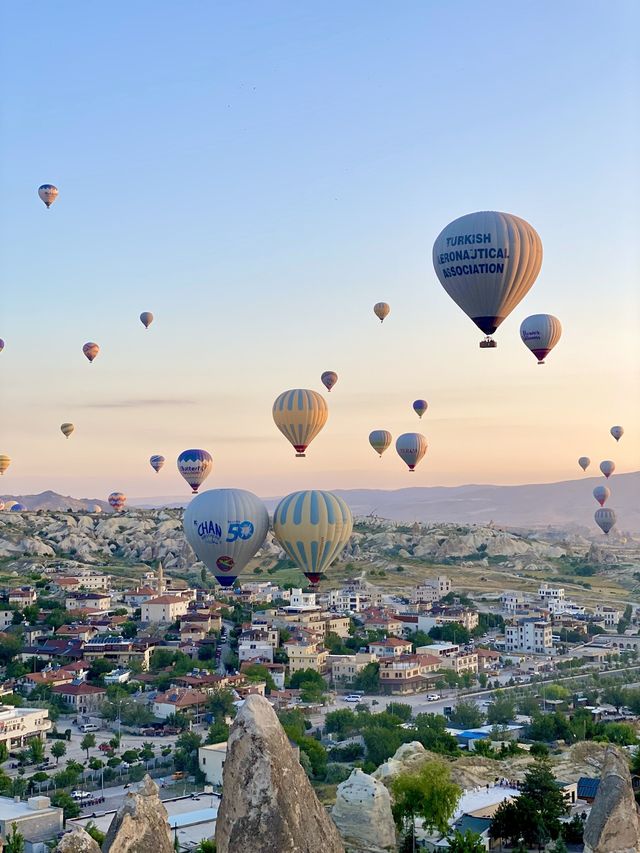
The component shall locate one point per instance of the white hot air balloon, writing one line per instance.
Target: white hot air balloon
(226, 527)
(607, 467)
(584, 462)
(487, 262)
(411, 447)
(617, 432)
(601, 494)
(605, 519)
(540, 333)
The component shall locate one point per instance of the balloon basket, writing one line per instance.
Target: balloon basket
(301, 455)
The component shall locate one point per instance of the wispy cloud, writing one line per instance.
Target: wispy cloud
(138, 404)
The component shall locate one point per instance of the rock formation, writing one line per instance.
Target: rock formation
(77, 841)
(140, 825)
(268, 804)
(362, 813)
(409, 756)
(613, 826)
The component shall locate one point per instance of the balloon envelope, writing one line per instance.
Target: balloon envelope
(1, 344)
(313, 527)
(329, 379)
(300, 414)
(487, 262)
(226, 527)
(117, 501)
(48, 193)
(411, 447)
(195, 466)
(420, 407)
(5, 461)
(540, 333)
(584, 462)
(617, 432)
(380, 440)
(607, 467)
(605, 519)
(146, 318)
(381, 310)
(91, 350)
(17, 507)
(156, 462)
(601, 494)
(66, 429)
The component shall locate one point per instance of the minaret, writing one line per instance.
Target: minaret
(160, 581)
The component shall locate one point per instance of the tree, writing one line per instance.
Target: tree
(4, 751)
(129, 630)
(429, 794)
(88, 742)
(15, 841)
(382, 742)
(10, 646)
(218, 732)
(147, 752)
(64, 801)
(430, 730)
(307, 676)
(221, 704)
(317, 755)
(467, 715)
(400, 710)
(502, 710)
(615, 695)
(58, 749)
(539, 750)
(469, 842)
(342, 722)
(368, 679)
(451, 632)
(259, 672)
(36, 751)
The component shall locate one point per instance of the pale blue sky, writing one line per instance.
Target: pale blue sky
(258, 175)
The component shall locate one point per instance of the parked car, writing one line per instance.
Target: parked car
(353, 697)
(433, 697)
(81, 795)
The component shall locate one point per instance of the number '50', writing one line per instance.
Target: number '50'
(239, 530)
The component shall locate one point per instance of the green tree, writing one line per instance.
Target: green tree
(368, 679)
(147, 752)
(467, 715)
(429, 794)
(451, 632)
(218, 732)
(615, 695)
(36, 751)
(307, 676)
(88, 742)
(221, 704)
(97, 834)
(539, 750)
(68, 805)
(10, 646)
(129, 630)
(342, 722)
(502, 710)
(381, 742)
(400, 710)
(468, 842)
(259, 672)
(15, 841)
(4, 751)
(58, 749)
(316, 754)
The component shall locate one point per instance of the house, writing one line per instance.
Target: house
(487, 659)
(478, 826)
(83, 698)
(20, 725)
(136, 597)
(391, 647)
(6, 619)
(259, 651)
(379, 620)
(90, 601)
(440, 616)
(344, 668)
(306, 654)
(22, 596)
(611, 615)
(164, 608)
(211, 760)
(181, 700)
(46, 678)
(408, 673)
(77, 631)
(117, 676)
(118, 650)
(36, 820)
(431, 590)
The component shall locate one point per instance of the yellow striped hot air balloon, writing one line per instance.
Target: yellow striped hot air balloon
(300, 414)
(66, 429)
(5, 461)
(313, 527)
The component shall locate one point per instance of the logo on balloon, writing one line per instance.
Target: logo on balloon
(239, 530)
(225, 564)
(209, 531)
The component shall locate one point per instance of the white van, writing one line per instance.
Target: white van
(353, 697)
(89, 727)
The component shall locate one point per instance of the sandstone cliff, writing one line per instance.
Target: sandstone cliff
(613, 825)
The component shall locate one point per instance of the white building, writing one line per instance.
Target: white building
(20, 725)
(37, 821)
(431, 590)
(300, 600)
(529, 635)
(211, 760)
(550, 593)
(164, 608)
(610, 615)
(6, 619)
(513, 602)
(260, 650)
(346, 600)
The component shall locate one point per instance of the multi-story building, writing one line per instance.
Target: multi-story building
(164, 608)
(20, 725)
(431, 590)
(211, 760)
(408, 673)
(611, 615)
(45, 678)
(346, 601)
(118, 651)
(450, 615)
(36, 821)
(487, 659)
(344, 668)
(550, 593)
(83, 698)
(259, 651)
(461, 662)
(190, 702)
(391, 647)
(514, 602)
(136, 597)
(306, 654)
(22, 596)
(78, 583)
(87, 601)
(529, 635)
(338, 625)
(379, 620)
(6, 619)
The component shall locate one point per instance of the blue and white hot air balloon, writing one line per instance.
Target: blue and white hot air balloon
(226, 527)
(156, 462)
(17, 508)
(195, 466)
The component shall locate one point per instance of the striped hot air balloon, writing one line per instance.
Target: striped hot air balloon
(313, 527)
(5, 461)
(156, 462)
(411, 447)
(487, 262)
(540, 333)
(380, 440)
(381, 310)
(66, 429)
(117, 500)
(195, 466)
(605, 519)
(300, 414)
(48, 194)
(226, 527)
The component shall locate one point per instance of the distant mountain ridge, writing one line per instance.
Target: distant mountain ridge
(563, 504)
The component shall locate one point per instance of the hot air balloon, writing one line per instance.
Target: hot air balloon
(9, 504)
(5, 461)
(91, 350)
(329, 379)
(117, 501)
(540, 333)
(487, 262)
(607, 467)
(605, 519)
(1, 344)
(420, 407)
(313, 527)
(1, 505)
(96, 508)
(16, 507)
(300, 415)
(584, 462)
(66, 429)
(48, 193)
(226, 527)
(157, 462)
(195, 466)
(146, 318)
(380, 440)
(381, 310)
(411, 447)
(617, 432)
(601, 494)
